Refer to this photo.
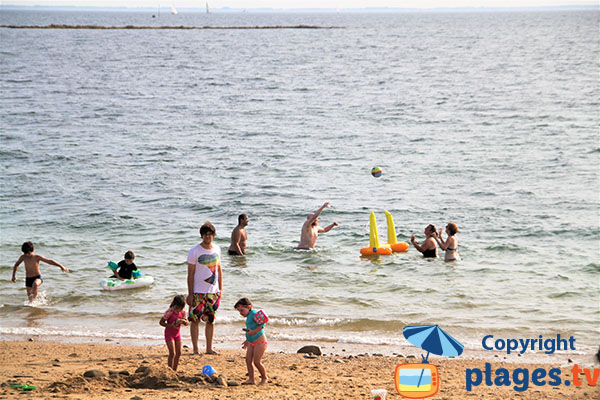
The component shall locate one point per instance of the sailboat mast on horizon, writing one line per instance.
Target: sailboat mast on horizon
(207, 9)
(173, 9)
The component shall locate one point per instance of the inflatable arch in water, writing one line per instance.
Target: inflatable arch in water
(375, 247)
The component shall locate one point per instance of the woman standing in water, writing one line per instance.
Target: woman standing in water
(428, 248)
(450, 245)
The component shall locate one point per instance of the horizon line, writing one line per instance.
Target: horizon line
(334, 9)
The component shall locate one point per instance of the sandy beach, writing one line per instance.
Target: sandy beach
(57, 370)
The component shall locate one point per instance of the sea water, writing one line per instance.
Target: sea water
(114, 140)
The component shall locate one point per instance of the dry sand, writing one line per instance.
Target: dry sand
(57, 369)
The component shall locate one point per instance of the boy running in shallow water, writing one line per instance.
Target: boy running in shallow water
(33, 277)
(256, 341)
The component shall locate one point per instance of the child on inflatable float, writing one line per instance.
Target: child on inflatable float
(126, 268)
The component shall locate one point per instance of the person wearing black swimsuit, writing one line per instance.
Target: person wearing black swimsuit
(429, 247)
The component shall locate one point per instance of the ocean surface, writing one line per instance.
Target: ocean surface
(114, 140)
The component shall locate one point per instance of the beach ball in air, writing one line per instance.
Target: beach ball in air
(377, 172)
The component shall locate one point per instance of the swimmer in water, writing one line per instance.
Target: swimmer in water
(428, 248)
(450, 245)
(239, 237)
(311, 230)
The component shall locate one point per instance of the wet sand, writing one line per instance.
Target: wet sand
(57, 369)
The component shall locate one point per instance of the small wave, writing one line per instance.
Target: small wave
(525, 192)
(18, 80)
(506, 247)
(303, 303)
(359, 325)
(122, 334)
(350, 339)
(563, 294)
(360, 340)
(592, 267)
(307, 322)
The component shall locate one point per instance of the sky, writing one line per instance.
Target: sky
(287, 4)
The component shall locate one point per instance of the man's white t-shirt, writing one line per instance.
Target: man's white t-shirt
(206, 276)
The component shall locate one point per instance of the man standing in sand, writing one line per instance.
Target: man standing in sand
(239, 237)
(310, 229)
(205, 286)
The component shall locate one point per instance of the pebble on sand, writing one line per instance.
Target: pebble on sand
(94, 373)
(316, 350)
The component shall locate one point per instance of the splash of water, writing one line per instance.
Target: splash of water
(40, 301)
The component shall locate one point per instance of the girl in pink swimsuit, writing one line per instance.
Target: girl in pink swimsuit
(172, 320)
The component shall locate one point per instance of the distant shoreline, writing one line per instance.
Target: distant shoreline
(56, 26)
(229, 10)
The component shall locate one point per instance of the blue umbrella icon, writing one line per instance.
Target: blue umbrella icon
(432, 339)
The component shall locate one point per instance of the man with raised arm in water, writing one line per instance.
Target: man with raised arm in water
(310, 229)
(239, 237)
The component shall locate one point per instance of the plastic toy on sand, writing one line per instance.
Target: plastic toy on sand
(377, 172)
(208, 370)
(23, 387)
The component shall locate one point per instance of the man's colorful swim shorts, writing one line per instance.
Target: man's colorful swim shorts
(204, 307)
